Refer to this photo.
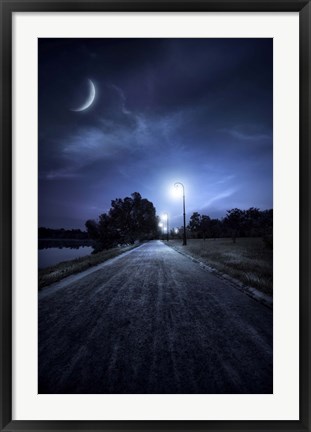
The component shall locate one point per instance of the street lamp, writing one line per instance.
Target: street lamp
(165, 217)
(161, 226)
(176, 185)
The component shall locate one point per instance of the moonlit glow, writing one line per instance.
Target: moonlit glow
(176, 192)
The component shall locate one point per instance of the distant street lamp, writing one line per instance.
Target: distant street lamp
(165, 217)
(176, 185)
(161, 226)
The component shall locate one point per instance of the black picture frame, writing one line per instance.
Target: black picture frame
(8, 7)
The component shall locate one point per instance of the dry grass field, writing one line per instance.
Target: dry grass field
(247, 260)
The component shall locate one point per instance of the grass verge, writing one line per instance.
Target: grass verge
(55, 273)
(247, 260)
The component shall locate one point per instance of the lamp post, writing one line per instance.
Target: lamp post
(165, 217)
(176, 185)
(161, 226)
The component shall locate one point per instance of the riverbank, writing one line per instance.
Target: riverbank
(55, 273)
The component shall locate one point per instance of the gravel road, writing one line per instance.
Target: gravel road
(152, 321)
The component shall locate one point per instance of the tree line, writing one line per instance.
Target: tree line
(237, 223)
(134, 219)
(61, 234)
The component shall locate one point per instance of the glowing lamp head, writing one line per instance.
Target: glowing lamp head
(179, 189)
(160, 224)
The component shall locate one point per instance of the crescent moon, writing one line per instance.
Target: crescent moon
(90, 99)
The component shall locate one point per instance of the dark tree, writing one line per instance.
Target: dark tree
(109, 235)
(195, 224)
(252, 222)
(199, 225)
(92, 229)
(234, 220)
(205, 226)
(128, 220)
(216, 228)
(134, 218)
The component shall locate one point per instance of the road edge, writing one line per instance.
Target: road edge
(254, 293)
(62, 283)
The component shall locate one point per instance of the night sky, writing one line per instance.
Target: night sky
(198, 111)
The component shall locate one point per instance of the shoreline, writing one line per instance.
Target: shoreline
(52, 274)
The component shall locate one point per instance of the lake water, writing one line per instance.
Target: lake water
(54, 255)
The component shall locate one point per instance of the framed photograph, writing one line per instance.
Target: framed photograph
(155, 215)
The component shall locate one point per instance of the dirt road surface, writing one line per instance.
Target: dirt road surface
(152, 321)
